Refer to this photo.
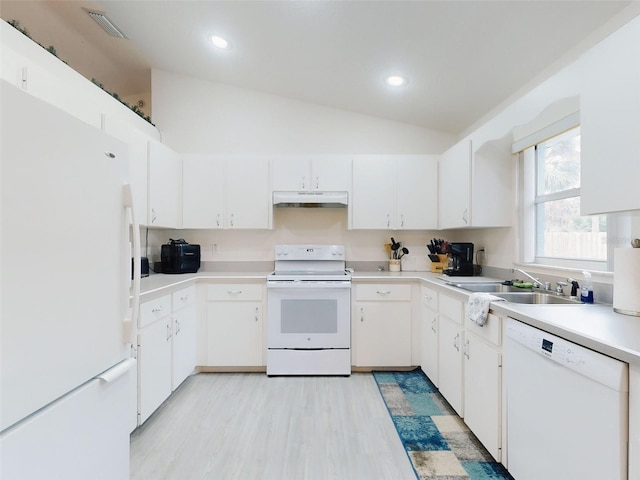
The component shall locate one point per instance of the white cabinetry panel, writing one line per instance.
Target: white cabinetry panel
(610, 124)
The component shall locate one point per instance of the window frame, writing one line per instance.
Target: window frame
(529, 200)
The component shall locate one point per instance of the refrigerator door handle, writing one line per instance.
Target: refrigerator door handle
(118, 371)
(131, 321)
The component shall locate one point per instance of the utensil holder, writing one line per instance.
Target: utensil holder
(394, 265)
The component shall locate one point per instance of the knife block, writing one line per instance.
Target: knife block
(438, 267)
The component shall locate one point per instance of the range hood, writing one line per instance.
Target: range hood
(310, 199)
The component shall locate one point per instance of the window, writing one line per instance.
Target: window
(557, 233)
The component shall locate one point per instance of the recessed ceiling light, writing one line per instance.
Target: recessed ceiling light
(395, 81)
(219, 41)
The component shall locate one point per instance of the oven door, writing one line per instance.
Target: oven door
(309, 315)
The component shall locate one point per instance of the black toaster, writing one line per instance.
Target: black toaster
(178, 256)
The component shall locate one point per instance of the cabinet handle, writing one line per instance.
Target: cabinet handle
(304, 182)
(168, 332)
(257, 311)
(156, 309)
(388, 220)
(384, 292)
(433, 325)
(218, 220)
(465, 215)
(402, 219)
(362, 314)
(185, 298)
(153, 215)
(456, 342)
(231, 220)
(465, 349)
(177, 327)
(234, 292)
(317, 183)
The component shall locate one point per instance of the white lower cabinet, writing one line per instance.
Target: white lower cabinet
(154, 356)
(482, 392)
(382, 325)
(166, 348)
(234, 325)
(450, 341)
(429, 334)
(184, 335)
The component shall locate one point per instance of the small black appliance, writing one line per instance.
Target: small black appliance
(144, 267)
(178, 256)
(460, 263)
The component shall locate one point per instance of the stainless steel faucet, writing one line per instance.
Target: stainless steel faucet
(536, 281)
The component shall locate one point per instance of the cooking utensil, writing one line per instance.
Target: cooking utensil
(395, 246)
(404, 251)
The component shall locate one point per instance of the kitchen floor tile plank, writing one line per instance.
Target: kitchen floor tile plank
(250, 426)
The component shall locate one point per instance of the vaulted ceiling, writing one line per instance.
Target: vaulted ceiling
(461, 58)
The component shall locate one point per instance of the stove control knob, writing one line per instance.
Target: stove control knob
(282, 252)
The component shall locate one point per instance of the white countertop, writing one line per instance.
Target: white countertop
(596, 327)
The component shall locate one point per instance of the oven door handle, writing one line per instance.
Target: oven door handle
(310, 284)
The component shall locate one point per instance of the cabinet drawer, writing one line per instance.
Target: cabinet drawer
(154, 310)
(429, 298)
(450, 308)
(183, 298)
(383, 292)
(490, 331)
(234, 292)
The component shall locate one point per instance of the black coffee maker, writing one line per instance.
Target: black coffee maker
(460, 261)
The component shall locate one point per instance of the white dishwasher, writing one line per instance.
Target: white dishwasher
(567, 409)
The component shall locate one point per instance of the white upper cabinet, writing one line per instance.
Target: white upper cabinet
(397, 192)
(247, 194)
(331, 173)
(477, 187)
(610, 124)
(225, 192)
(416, 192)
(202, 191)
(165, 173)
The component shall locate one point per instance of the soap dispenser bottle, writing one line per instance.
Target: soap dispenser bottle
(586, 294)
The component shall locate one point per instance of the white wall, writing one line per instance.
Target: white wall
(198, 116)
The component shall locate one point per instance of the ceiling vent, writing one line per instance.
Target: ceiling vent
(106, 24)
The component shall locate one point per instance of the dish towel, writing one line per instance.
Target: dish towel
(478, 307)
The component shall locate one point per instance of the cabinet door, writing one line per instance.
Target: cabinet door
(417, 192)
(429, 347)
(202, 191)
(383, 334)
(455, 186)
(373, 205)
(184, 344)
(164, 181)
(331, 174)
(482, 393)
(154, 367)
(291, 174)
(234, 334)
(610, 122)
(450, 342)
(247, 193)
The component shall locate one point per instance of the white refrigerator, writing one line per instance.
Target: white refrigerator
(66, 317)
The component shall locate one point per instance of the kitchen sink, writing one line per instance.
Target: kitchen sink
(537, 298)
(488, 287)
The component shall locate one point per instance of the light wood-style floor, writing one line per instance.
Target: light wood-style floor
(250, 426)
